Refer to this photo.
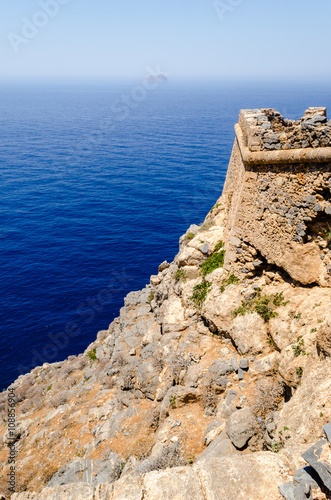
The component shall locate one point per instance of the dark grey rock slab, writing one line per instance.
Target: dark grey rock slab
(287, 490)
(303, 492)
(314, 456)
(327, 431)
(306, 475)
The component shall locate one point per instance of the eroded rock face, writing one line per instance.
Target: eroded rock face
(324, 339)
(245, 476)
(201, 370)
(68, 492)
(214, 479)
(305, 412)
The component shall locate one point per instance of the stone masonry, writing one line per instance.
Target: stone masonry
(278, 196)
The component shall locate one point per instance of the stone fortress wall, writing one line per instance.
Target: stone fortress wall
(277, 195)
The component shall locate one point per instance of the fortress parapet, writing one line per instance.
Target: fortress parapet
(278, 195)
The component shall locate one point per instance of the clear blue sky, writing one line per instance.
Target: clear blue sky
(189, 39)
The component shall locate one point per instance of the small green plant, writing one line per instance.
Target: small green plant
(49, 387)
(150, 298)
(92, 355)
(263, 308)
(321, 415)
(189, 236)
(214, 261)
(218, 246)
(327, 237)
(172, 400)
(317, 304)
(299, 371)
(278, 299)
(180, 275)
(298, 316)
(286, 428)
(200, 293)
(215, 206)
(298, 348)
(231, 280)
(276, 447)
(313, 330)
(264, 305)
(320, 321)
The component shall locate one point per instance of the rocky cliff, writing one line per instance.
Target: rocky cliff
(215, 380)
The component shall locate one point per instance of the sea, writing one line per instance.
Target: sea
(98, 182)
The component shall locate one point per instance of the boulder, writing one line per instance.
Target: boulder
(240, 427)
(249, 333)
(189, 256)
(172, 315)
(306, 475)
(88, 471)
(243, 477)
(319, 458)
(178, 483)
(287, 491)
(268, 364)
(163, 266)
(219, 447)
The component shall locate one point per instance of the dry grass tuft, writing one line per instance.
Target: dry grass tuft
(266, 396)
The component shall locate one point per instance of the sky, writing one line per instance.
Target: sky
(276, 40)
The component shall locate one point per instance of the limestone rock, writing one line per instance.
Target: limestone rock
(88, 471)
(77, 491)
(173, 484)
(243, 477)
(303, 414)
(303, 262)
(256, 341)
(324, 338)
(219, 447)
(189, 256)
(240, 427)
(172, 315)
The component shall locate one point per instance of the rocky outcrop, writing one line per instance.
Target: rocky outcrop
(314, 477)
(210, 384)
(212, 479)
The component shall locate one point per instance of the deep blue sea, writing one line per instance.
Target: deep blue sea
(95, 194)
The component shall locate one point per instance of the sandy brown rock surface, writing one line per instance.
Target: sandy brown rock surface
(210, 384)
